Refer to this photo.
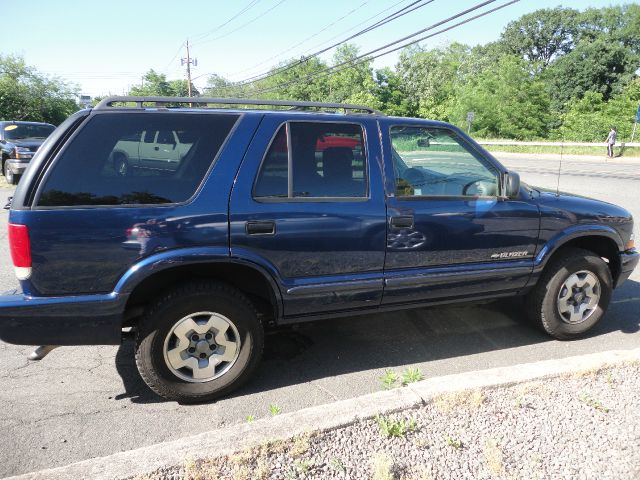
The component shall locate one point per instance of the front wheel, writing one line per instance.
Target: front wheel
(572, 294)
(8, 175)
(199, 342)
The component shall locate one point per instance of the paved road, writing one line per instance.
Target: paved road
(82, 402)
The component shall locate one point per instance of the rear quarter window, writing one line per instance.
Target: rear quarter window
(136, 158)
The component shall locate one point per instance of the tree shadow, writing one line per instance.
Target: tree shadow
(335, 347)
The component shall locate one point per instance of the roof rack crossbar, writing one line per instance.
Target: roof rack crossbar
(108, 102)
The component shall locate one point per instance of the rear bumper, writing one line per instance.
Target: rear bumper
(628, 261)
(77, 320)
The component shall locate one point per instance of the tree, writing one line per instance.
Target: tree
(598, 66)
(26, 94)
(589, 118)
(156, 84)
(354, 84)
(391, 94)
(508, 102)
(431, 78)
(541, 36)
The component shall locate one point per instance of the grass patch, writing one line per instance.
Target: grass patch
(493, 457)
(250, 418)
(567, 150)
(389, 379)
(381, 467)
(448, 402)
(411, 375)
(274, 410)
(453, 442)
(592, 402)
(390, 427)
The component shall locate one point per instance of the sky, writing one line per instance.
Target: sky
(106, 46)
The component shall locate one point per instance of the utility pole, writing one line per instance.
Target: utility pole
(188, 62)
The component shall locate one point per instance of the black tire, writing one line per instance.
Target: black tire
(542, 303)
(120, 164)
(164, 314)
(8, 175)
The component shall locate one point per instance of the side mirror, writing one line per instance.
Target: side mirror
(424, 142)
(511, 184)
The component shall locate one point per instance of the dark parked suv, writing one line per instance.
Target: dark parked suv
(18, 143)
(225, 221)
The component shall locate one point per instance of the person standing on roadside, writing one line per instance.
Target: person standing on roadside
(611, 141)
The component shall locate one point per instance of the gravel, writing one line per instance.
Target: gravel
(582, 426)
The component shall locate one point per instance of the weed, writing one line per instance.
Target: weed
(448, 402)
(381, 467)
(592, 402)
(390, 427)
(337, 464)
(274, 409)
(250, 418)
(453, 442)
(300, 446)
(303, 465)
(389, 379)
(493, 456)
(262, 471)
(411, 375)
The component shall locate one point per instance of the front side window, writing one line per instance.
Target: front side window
(136, 158)
(435, 162)
(327, 160)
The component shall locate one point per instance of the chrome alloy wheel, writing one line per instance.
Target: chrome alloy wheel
(201, 347)
(579, 296)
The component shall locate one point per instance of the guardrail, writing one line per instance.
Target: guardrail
(553, 144)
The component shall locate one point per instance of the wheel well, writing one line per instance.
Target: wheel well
(602, 246)
(248, 280)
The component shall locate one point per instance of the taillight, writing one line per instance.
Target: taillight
(20, 250)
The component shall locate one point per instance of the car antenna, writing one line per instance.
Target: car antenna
(560, 168)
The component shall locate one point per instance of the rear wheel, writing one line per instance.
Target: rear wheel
(199, 342)
(572, 294)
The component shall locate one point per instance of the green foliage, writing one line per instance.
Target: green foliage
(508, 102)
(156, 84)
(389, 379)
(26, 94)
(390, 427)
(274, 410)
(589, 118)
(542, 35)
(411, 375)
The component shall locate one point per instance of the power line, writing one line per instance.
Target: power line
(200, 36)
(164, 70)
(241, 26)
(354, 62)
(308, 38)
(399, 13)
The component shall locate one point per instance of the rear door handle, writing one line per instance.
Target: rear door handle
(262, 227)
(402, 221)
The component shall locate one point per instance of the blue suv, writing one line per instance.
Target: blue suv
(195, 229)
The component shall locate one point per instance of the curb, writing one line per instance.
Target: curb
(323, 417)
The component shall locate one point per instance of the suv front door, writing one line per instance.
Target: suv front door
(450, 234)
(308, 205)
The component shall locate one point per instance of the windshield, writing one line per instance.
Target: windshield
(22, 131)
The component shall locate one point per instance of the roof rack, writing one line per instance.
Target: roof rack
(163, 101)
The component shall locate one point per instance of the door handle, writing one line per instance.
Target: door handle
(264, 227)
(402, 221)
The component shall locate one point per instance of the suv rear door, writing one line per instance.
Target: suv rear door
(308, 205)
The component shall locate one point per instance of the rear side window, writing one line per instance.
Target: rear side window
(136, 158)
(327, 160)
